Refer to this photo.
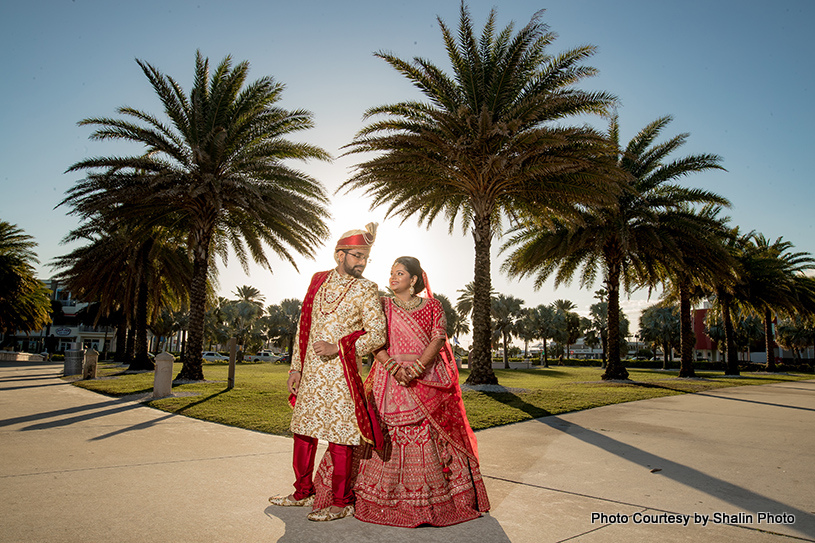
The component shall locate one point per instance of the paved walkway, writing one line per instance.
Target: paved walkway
(79, 467)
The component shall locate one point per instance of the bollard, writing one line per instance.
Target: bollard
(89, 368)
(163, 379)
(73, 362)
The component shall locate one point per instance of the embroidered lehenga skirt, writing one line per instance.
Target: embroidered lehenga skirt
(428, 471)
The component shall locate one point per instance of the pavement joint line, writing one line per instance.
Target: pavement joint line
(643, 508)
(577, 536)
(141, 464)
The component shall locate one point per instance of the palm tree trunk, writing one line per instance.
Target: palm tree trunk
(130, 345)
(687, 337)
(768, 339)
(140, 360)
(184, 334)
(481, 365)
(121, 338)
(506, 355)
(614, 367)
(192, 368)
(545, 354)
(732, 364)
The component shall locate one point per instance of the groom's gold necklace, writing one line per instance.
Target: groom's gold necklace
(328, 306)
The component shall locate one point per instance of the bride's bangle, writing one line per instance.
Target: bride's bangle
(416, 369)
(391, 366)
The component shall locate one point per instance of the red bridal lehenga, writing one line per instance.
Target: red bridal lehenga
(428, 472)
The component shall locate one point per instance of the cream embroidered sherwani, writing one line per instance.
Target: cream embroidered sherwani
(324, 408)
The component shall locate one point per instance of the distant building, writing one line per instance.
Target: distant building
(67, 332)
(705, 348)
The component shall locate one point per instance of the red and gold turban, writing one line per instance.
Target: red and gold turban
(358, 239)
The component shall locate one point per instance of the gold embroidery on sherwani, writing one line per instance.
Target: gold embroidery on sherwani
(324, 407)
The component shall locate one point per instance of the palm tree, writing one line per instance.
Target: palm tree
(217, 170)
(626, 242)
(138, 269)
(773, 284)
(722, 287)
(489, 142)
(698, 258)
(25, 303)
(506, 311)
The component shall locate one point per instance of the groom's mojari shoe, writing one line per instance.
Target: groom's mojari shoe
(325, 514)
(288, 501)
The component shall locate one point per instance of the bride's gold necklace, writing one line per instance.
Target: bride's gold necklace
(410, 305)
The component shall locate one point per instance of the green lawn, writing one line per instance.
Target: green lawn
(259, 399)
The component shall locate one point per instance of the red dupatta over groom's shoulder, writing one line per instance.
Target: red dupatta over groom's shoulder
(366, 418)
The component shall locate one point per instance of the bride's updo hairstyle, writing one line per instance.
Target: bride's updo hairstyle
(413, 267)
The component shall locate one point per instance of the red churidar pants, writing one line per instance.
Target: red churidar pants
(305, 449)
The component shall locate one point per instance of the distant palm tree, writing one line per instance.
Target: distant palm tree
(165, 325)
(25, 303)
(625, 242)
(243, 321)
(450, 313)
(599, 326)
(796, 334)
(217, 170)
(659, 324)
(544, 322)
(491, 141)
(250, 294)
(563, 305)
(464, 302)
(747, 329)
(282, 321)
(506, 312)
(526, 328)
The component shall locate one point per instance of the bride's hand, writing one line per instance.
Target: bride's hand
(402, 377)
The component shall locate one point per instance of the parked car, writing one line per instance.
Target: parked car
(264, 356)
(212, 356)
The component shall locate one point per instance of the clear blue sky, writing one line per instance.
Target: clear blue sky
(736, 74)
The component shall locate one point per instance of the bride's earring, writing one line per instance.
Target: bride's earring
(411, 290)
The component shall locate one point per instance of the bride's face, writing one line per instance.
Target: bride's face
(400, 280)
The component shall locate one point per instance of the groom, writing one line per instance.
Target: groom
(341, 319)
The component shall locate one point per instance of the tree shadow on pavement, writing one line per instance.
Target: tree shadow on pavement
(741, 498)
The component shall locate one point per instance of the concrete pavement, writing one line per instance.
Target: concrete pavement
(77, 466)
